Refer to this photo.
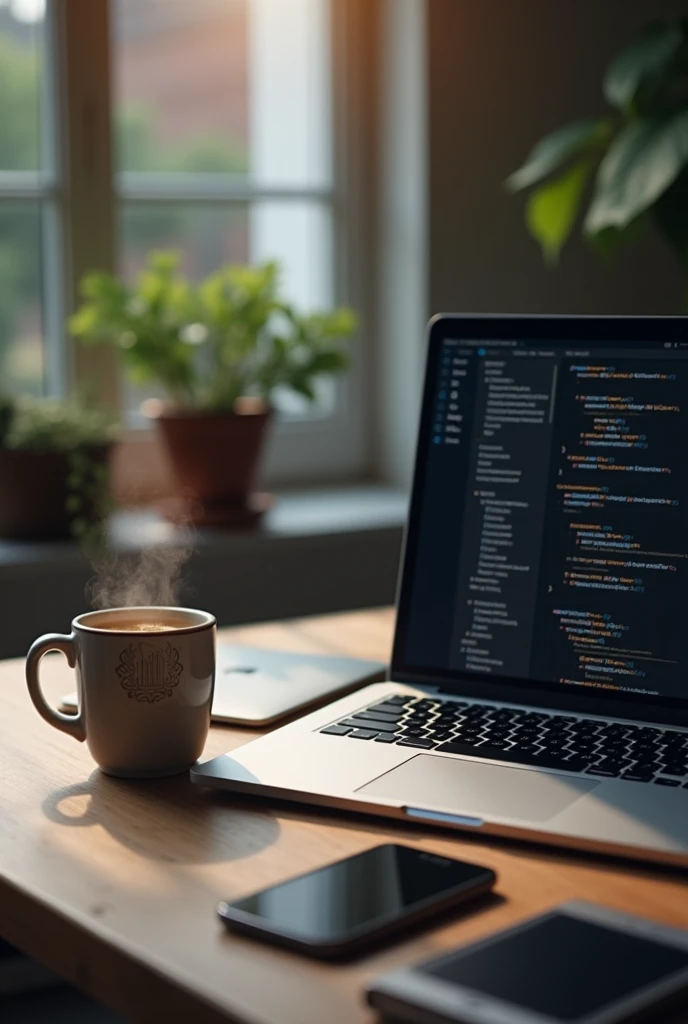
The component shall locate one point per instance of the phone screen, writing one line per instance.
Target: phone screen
(369, 889)
(563, 967)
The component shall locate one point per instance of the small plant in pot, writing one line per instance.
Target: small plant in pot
(220, 350)
(54, 459)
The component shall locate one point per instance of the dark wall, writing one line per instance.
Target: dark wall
(502, 73)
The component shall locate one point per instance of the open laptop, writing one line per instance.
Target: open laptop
(540, 666)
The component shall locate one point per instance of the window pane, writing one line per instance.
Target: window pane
(21, 333)
(223, 85)
(299, 235)
(206, 236)
(21, 44)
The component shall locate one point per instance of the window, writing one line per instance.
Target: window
(30, 359)
(222, 118)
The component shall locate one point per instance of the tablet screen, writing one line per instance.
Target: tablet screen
(563, 966)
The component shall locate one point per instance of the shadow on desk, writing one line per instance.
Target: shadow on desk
(398, 830)
(182, 825)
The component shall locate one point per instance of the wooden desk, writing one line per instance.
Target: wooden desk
(113, 884)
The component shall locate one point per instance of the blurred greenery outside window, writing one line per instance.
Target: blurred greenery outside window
(221, 123)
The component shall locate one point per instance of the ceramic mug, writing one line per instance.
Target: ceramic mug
(145, 679)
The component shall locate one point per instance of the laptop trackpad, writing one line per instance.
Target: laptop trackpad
(483, 790)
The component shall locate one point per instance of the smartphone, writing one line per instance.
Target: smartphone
(345, 906)
(578, 964)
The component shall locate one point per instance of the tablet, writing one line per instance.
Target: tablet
(577, 964)
(255, 687)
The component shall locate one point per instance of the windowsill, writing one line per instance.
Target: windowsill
(295, 514)
(323, 550)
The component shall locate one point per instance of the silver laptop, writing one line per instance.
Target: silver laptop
(540, 666)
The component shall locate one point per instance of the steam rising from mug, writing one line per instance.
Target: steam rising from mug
(153, 577)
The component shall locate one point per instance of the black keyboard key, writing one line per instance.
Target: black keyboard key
(504, 715)
(608, 772)
(661, 781)
(371, 716)
(557, 761)
(362, 734)
(532, 718)
(670, 769)
(336, 730)
(422, 744)
(468, 741)
(385, 709)
(397, 701)
(496, 734)
(363, 723)
(634, 777)
(511, 756)
(386, 737)
(615, 765)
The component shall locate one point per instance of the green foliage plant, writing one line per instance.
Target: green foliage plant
(72, 428)
(229, 337)
(627, 168)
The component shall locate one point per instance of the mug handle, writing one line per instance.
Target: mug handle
(73, 725)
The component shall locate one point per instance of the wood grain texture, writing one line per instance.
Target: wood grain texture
(113, 884)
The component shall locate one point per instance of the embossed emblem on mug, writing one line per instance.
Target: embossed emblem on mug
(149, 672)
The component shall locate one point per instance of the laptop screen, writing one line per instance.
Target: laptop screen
(548, 538)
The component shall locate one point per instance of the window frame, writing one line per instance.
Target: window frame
(45, 188)
(85, 191)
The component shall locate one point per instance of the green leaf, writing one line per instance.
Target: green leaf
(552, 208)
(671, 214)
(644, 63)
(552, 151)
(607, 242)
(641, 163)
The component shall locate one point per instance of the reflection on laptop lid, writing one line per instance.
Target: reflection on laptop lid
(547, 542)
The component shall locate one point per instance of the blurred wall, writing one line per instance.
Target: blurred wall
(501, 74)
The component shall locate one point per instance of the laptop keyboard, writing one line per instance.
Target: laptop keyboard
(597, 747)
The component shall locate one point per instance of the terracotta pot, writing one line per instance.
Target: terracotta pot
(34, 492)
(214, 458)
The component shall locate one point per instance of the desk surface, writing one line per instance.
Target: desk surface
(113, 884)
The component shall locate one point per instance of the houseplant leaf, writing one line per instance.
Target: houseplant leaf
(552, 208)
(607, 242)
(641, 163)
(671, 216)
(552, 151)
(643, 64)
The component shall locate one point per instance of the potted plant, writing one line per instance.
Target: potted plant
(636, 157)
(53, 467)
(220, 350)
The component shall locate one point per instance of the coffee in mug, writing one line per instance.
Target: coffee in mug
(145, 679)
